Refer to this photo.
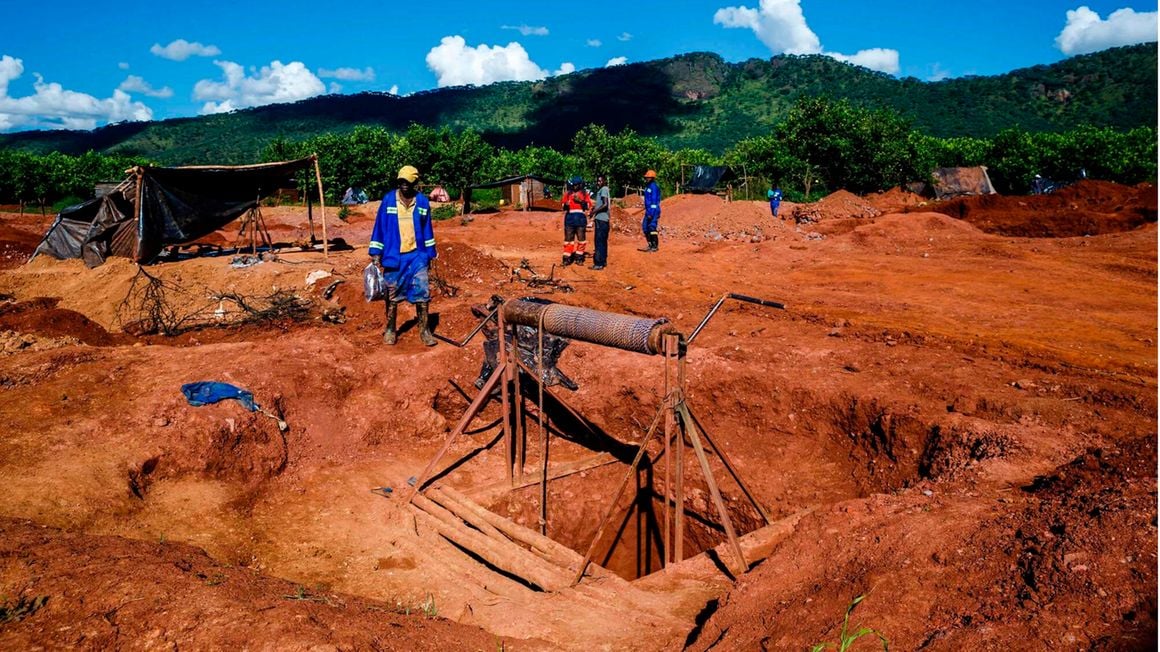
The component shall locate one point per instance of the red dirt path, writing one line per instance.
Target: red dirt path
(958, 423)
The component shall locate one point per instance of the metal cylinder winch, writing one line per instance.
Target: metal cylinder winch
(636, 334)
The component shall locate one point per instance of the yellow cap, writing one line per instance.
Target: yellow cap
(409, 173)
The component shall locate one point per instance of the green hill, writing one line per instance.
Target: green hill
(692, 100)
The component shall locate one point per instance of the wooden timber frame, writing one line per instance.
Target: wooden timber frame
(682, 430)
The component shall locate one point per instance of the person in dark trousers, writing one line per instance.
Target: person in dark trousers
(576, 204)
(403, 244)
(652, 211)
(601, 223)
(774, 196)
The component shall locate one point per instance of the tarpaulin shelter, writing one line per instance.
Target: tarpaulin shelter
(526, 190)
(161, 206)
(957, 182)
(706, 178)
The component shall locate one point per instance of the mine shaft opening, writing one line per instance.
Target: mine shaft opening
(632, 545)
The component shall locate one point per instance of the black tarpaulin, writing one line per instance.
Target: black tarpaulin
(178, 205)
(183, 204)
(706, 177)
(89, 231)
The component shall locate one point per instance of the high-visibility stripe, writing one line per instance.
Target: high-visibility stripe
(430, 243)
(652, 205)
(392, 209)
(376, 245)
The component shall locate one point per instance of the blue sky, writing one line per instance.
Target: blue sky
(80, 65)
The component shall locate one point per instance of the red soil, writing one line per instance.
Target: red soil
(1085, 208)
(959, 424)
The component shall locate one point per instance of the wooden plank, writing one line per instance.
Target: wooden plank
(551, 550)
(507, 557)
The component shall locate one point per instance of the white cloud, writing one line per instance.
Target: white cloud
(528, 30)
(334, 88)
(181, 49)
(123, 65)
(881, 59)
(938, 73)
(53, 107)
(782, 27)
(455, 63)
(348, 74)
(616, 61)
(271, 84)
(624, 36)
(394, 89)
(1086, 32)
(136, 84)
(594, 43)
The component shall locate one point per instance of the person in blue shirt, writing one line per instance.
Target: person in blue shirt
(652, 211)
(774, 196)
(403, 244)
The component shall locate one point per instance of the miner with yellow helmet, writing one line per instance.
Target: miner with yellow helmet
(403, 244)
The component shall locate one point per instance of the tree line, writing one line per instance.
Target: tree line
(822, 145)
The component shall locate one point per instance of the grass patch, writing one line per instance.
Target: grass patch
(846, 638)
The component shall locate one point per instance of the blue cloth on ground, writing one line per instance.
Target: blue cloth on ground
(206, 392)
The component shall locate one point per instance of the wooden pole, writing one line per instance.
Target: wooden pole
(729, 466)
(615, 499)
(713, 491)
(672, 350)
(472, 411)
(321, 207)
(505, 398)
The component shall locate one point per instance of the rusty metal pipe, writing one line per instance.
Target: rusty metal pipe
(637, 334)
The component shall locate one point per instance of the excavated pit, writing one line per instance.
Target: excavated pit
(632, 543)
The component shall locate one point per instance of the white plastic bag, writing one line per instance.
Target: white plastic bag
(373, 286)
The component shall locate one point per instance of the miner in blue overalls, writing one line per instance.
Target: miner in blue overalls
(652, 211)
(774, 196)
(403, 244)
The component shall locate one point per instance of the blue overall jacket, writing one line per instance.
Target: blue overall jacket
(385, 236)
(652, 200)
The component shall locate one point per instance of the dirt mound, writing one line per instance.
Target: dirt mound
(47, 571)
(895, 200)
(43, 317)
(1085, 208)
(16, 245)
(844, 204)
(1041, 575)
(705, 216)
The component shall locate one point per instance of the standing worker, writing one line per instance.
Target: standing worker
(600, 223)
(403, 244)
(652, 211)
(774, 196)
(576, 203)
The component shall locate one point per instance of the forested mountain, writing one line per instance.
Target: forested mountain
(695, 100)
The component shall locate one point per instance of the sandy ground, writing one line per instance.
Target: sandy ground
(955, 417)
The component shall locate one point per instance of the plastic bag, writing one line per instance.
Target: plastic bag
(374, 287)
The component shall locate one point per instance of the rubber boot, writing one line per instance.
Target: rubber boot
(653, 242)
(389, 334)
(424, 325)
(647, 243)
(567, 260)
(580, 259)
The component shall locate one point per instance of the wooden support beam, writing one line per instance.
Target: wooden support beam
(713, 491)
(509, 557)
(472, 411)
(729, 466)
